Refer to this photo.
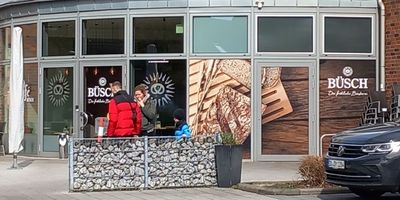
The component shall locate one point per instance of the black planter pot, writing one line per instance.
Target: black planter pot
(228, 160)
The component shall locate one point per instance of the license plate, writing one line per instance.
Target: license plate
(336, 164)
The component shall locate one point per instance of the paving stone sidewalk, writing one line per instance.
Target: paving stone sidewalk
(47, 179)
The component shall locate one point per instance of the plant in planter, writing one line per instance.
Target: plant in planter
(228, 158)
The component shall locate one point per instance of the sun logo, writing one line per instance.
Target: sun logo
(161, 88)
(58, 90)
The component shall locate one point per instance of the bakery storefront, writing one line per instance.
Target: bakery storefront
(277, 74)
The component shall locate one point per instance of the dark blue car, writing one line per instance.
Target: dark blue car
(366, 159)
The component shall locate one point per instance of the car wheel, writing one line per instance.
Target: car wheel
(367, 193)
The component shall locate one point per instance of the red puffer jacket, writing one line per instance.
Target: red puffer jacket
(121, 122)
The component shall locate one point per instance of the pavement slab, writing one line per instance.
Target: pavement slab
(47, 179)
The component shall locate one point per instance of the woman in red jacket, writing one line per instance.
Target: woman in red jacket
(124, 113)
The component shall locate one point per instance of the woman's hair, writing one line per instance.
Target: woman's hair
(142, 88)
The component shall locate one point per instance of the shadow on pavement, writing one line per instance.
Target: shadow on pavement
(25, 163)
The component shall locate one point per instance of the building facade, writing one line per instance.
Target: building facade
(277, 74)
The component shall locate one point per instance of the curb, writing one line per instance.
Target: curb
(296, 191)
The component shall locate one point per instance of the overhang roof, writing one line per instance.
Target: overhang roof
(5, 3)
(322, 3)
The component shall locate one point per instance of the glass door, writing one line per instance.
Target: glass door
(57, 105)
(285, 101)
(96, 94)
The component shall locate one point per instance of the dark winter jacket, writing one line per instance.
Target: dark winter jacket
(149, 115)
(125, 120)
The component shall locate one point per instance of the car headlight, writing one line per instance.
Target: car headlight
(381, 148)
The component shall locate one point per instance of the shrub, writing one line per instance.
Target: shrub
(228, 139)
(312, 171)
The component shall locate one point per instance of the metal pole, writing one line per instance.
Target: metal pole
(321, 142)
(15, 163)
(146, 167)
(382, 82)
(60, 148)
(71, 163)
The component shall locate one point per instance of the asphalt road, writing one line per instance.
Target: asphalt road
(347, 196)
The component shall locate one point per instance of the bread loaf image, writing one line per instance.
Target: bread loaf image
(219, 96)
(240, 71)
(229, 112)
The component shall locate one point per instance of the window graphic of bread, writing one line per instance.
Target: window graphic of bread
(230, 112)
(219, 96)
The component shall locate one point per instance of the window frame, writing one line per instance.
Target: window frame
(347, 15)
(131, 73)
(228, 54)
(284, 15)
(6, 25)
(29, 21)
(132, 39)
(100, 17)
(58, 20)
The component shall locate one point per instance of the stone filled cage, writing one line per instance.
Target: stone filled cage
(141, 163)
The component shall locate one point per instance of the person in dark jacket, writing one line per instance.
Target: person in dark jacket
(148, 108)
(125, 118)
(181, 127)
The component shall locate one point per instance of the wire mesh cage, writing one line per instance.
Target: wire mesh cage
(141, 163)
(181, 163)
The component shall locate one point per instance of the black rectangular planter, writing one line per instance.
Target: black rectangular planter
(228, 160)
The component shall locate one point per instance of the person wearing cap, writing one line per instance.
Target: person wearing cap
(181, 127)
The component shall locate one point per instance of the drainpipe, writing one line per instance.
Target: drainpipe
(382, 45)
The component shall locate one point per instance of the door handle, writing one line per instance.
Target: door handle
(85, 119)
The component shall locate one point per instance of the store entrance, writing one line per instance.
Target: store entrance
(285, 99)
(58, 100)
(95, 94)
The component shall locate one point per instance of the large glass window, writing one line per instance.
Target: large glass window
(219, 95)
(348, 35)
(103, 36)
(29, 34)
(285, 34)
(58, 38)
(166, 83)
(57, 105)
(158, 35)
(4, 94)
(5, 43)
(342, 107)
(220, 34)
(31, 108)
(97, 94)
(285, 109)
(4, 99)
